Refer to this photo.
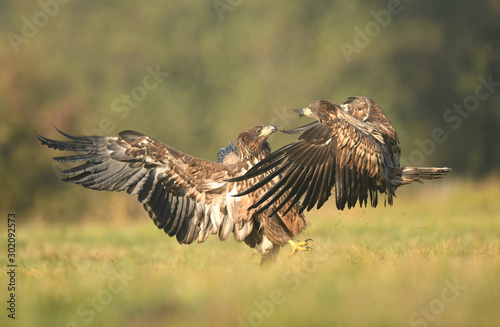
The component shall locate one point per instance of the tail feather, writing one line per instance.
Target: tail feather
(407, 175)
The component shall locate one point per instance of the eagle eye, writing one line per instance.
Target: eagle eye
(259, 131)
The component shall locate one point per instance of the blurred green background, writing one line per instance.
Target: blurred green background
(235, 64)
(194, 74)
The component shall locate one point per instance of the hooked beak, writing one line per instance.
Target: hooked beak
(268, 130)
(303, 112)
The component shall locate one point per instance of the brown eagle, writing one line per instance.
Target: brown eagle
(351, 148)
(187, 197)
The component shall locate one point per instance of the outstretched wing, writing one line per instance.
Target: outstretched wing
(334, 154)
(186, 196)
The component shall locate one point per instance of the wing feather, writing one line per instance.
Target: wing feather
(185, 196)
(330, 155)
(161, 212)
(227, 227)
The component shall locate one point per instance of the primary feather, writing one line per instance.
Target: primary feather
(352, 150)
(188, 197)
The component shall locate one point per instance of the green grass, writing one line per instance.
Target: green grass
(371, 267)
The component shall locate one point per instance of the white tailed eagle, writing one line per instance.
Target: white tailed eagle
(188, 197)
(351, 148)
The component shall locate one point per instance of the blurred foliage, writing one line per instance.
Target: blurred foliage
(232, 65)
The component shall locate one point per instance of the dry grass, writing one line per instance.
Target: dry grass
(371, 267)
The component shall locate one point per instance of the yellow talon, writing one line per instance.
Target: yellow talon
(300, 246)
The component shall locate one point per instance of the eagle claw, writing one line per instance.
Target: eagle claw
(299, 246)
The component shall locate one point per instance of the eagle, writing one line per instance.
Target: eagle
(351, 149)
(188, 197)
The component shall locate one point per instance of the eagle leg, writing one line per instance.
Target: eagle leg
(299, 246)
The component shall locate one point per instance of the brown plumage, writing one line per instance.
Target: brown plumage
(187, 197)
(352, 149)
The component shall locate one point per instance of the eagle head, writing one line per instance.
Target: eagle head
(252, 143)
(320, 110)
(364, 109)
(358, 107)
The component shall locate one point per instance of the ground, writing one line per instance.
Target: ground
(433, 259)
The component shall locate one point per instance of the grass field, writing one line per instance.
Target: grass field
(433, 259)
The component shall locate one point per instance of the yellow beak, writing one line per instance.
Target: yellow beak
(269, 129)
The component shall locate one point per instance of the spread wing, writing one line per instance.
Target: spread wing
(334, 154)
(186, 196)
